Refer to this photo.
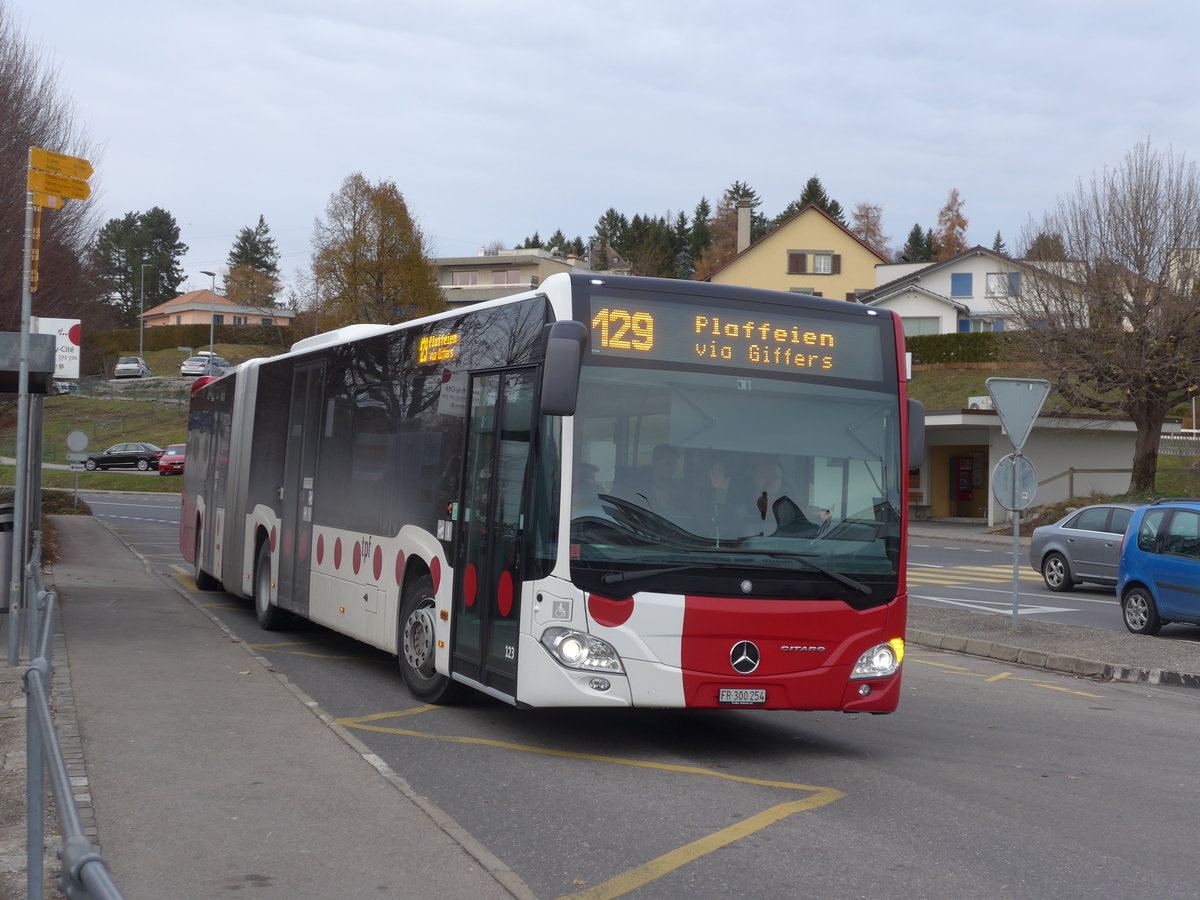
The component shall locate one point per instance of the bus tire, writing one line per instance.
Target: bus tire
(270, 617)
(417, 645)
(204, 581)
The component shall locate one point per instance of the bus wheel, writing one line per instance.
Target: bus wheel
(204, 581)
(270, 617)
(417, 643)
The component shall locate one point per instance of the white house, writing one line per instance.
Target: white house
(964, 293)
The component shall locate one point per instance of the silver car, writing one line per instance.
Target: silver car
(204, 365)
(131, 367)
(1083, 546)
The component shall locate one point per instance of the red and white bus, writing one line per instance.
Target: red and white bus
(608, 491)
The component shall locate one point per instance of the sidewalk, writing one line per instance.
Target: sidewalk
(207, 773)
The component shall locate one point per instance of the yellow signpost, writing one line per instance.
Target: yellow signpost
(58, 185)
(48, 201)
(60, 164)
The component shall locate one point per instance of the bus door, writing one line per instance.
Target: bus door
(299, 473)
(488, 569)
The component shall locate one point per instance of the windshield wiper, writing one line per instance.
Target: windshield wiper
(835, 576)
(622, 577)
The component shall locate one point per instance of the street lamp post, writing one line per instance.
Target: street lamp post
(212, 311)
(142, 312)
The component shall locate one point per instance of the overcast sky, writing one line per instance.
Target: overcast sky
(498, 119)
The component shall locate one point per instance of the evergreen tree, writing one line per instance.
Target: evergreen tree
(916, 248)
(1046, 246)
(701, 234)
(122, 247)
(253, 267)
(998, 245)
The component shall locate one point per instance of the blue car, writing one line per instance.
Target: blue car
(1158, 578)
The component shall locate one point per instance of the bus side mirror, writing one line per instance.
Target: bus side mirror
(565, 343)
(916, 434)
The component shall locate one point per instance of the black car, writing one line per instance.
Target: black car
(137, 456)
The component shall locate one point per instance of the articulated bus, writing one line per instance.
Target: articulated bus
(608, 491)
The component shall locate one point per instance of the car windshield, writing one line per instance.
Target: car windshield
(703, 473)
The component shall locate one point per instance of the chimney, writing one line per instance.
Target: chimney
(743, 225)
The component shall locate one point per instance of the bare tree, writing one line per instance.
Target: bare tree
(35, 113)
(950, 239)
(1115, 319)
(866, 223)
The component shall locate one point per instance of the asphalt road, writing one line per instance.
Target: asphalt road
(991, 781)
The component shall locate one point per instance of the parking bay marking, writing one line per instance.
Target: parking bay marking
(647, 872)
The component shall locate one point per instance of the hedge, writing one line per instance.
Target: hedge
(979, 346)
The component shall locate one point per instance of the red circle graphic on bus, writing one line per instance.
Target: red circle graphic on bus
(337, 553)
(435, 572)
(320, 549)
(356, 559)
(470, 584)
(272, 538)
(377, 562)
(608, 612)
(399, 567)
(504, 593)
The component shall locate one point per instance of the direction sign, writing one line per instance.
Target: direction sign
(77, 457)
(60, 163)
(1018, 402)
(48, 201)
(78, 467)
(59, 185)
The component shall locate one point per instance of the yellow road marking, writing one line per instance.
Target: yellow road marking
(1004, 676)
(668, 862)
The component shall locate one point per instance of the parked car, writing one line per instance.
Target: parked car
(1082, 546)
(134, 455)
(1159, 571)
(131, 367)
(171, 461)
(204, 365)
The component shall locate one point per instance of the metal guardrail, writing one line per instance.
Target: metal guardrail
(85, 874)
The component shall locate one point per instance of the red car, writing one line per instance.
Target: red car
(171, 461)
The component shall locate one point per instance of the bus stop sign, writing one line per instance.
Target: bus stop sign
(1018, 402)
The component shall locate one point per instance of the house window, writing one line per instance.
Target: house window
(812, 292)
(1003, 284)
(506, 276)
(179, 320)
(218, 319)
(268, 321)
(460, 279)
(822, 263)
(914, 325)
(960, 285)
(968, 326)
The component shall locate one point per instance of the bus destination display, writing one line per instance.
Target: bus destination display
(726, 337)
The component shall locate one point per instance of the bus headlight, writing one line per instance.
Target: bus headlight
(579, 650)
(880, 661)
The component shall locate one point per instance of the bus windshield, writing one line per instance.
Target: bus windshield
(703, 472)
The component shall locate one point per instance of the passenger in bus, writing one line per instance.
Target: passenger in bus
(658, 486)
(585, 500)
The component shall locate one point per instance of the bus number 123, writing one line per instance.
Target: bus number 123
(623, 330)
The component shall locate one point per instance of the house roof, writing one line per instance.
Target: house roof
(809, 208)
(879, 296)
(206, 299)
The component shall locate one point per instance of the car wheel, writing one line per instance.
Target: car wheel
(270, 617)
(1139, 611)
(90, 465)
(417, 643)
(1056, 573)
(143, 465)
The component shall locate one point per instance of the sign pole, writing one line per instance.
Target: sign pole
(1016, 595)
(17, 573)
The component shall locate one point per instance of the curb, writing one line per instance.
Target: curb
(1055, 662)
